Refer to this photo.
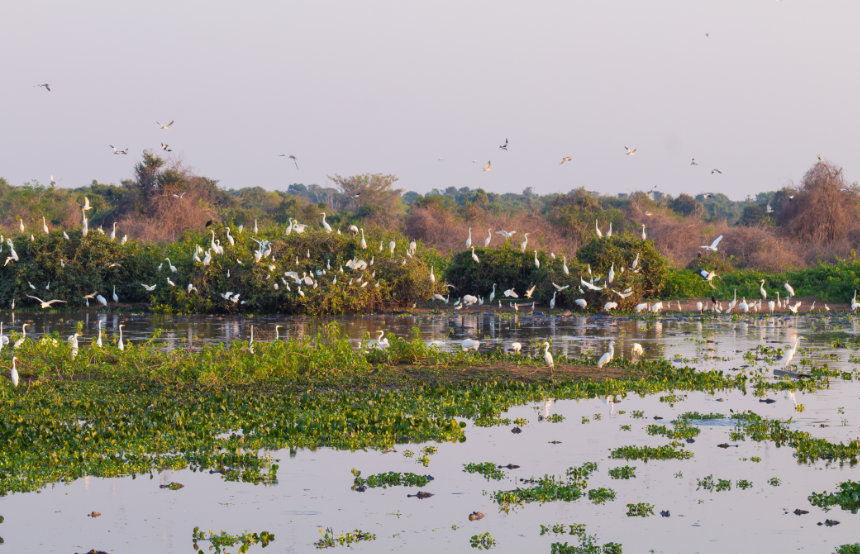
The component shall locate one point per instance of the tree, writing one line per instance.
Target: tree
(686, 205)
(372, 197)
(823, 210)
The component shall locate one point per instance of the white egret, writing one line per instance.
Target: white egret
(789, 289)
(790, 354)
(325, 224)
(493, 293)
(641, 307)
(149, 288)
(771, 305)
(23, 338)
(516, 347)
(511, 293)
(597, 230)
(610, 306)
(552, 301)
(611, 276)
(607, 357)
(637, 350)
(547, 356)
(45, 226)
(469, 239)
(581, 303)
(489, 238)
(44, 305)
(524, 243)
(564, 266)
(713, 245)
(114, 296)
(475, 256)
(391, 246)
(470, 344)
(537, 262)
(14, 372)
(644, 236)
(113, 232)
(101, 300)
(99, 340)
(656, 307)
(119, 343)
(506, 234)
(793, 309)
(432, 277)
(363, 243)
(530, 291)
(762, 291)
(609, 232)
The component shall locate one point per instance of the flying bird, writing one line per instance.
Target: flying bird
(504, 146)
(630, 152)
(166, 126)
(179, 195)
(44, 304)
(117, 151)
(565, 159)
(487, 167)
(166, 147)
(694, 162)
(713, 245)
(292, 157)
(48, 87)
(716, 171)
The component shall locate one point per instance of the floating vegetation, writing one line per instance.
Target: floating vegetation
(774, 481)
(222, 540)
(847, 497)
(484, 541)
(390, 479)
(623, 472)
(487, 469)
(848, 549)
(548, 488)
(682, 430)
(687, 416)
(640, 509)
(330, 540)
(552, 418)
(645, 453)
(601, 495)
(710, 485)
(807, 449)
(588, 544)
(743, 484)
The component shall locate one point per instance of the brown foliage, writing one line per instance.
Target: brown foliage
(168, 216)
(821, 211)
(754, 247)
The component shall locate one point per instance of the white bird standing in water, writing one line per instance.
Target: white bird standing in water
(606, 358)
(637, 350)
(114, 296)
(119, 343)
(14, 373)
(99, 340)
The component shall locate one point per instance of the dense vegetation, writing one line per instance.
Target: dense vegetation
(805, 236)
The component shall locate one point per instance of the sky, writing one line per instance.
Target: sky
(427, 91)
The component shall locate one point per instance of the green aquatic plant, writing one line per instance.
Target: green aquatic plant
(487, 469)
(588, 544)
(848, 549)
(847, 497)
(645, 453)
(623, 472)
(601, 495)
(329, 539)
(681, 430)
(222, 540)
(743, 484)
(389, 479)
(548, 488)
(484, 541)
(807, 449)
(640, 509)
(709, 484)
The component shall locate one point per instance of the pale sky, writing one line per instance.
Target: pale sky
(391, 86)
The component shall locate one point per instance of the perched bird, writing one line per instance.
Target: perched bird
(789, 289)
(14, 373)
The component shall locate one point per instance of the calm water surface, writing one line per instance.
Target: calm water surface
(314, 486)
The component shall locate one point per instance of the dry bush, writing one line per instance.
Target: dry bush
(757, 248)
(678, 238)
(168, 216)
(822, 212)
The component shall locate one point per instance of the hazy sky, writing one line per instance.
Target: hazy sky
(392, 86)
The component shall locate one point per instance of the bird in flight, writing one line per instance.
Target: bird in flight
(694, 162)
(117, 150)
(716, 171)
(630, 151)
(487, 167)
(713, 245)
(166, 147)
(46, 85)
(566, 159)
(166, 126)
(505, 145)
(292, 157)
(180, 195)
(44, 304)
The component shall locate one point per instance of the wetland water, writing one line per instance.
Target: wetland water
(313, 489)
